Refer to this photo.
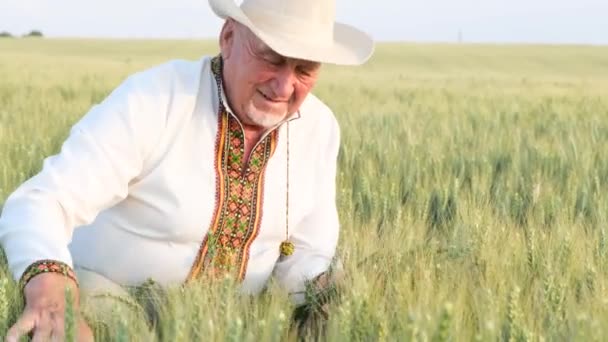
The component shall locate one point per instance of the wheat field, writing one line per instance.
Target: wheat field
(471, 190)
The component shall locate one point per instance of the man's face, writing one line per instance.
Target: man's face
(262, 86)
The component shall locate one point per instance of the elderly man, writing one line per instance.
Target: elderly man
(221, 166)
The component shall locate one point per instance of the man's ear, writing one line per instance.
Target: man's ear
(227, 37)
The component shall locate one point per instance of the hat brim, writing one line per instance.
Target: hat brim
(350, 45)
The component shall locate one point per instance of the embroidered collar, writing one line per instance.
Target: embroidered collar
(239, 195)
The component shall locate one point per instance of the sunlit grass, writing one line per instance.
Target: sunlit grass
(472, 189)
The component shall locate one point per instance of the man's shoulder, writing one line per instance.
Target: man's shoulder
(319, 115)
(174, 75)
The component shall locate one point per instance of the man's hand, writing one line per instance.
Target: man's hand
(45, 310)
(326, 284)
(312, 316)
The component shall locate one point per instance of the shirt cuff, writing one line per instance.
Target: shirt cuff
(46, 266)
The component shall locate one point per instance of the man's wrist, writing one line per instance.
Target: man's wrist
(46, 266)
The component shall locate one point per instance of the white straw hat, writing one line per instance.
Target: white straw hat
(304, 29)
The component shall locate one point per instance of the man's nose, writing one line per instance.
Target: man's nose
(284, 83)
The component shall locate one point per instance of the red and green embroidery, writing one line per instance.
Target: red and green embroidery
(46, 266)
(239, 198)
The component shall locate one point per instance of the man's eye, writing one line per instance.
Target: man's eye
(275, 62)
(304, 72)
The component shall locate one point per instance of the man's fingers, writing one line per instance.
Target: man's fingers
(43, 329)
(57, 337)
(58, 327)
(24, 325)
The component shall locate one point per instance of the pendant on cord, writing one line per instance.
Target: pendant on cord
(287, 248)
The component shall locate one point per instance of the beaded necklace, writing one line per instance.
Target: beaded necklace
(287, 247)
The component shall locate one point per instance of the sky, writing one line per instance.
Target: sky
(495, 21)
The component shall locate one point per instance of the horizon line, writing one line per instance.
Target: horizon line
(379, 41)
